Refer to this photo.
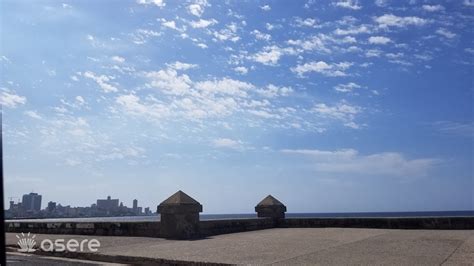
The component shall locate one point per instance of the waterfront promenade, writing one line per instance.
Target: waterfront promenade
(289, 246)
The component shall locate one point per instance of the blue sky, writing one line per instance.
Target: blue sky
(330, 106)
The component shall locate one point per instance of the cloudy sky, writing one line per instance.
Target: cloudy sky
(331, 106)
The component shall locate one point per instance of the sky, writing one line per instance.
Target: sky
(330, 106)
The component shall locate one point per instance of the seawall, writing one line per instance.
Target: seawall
(217, 227)
(382, 223)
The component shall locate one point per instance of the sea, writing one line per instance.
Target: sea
(253, 215)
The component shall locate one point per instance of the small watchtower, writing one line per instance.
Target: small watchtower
(270, 207)
(179, 216)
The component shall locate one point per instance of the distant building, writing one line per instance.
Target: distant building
(31, 202)
(135, 206)
(108, 205)
(51, 206)
(31, 208)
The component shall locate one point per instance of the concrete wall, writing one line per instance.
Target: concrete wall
(387, 223)
(147, 229)
(216, 227)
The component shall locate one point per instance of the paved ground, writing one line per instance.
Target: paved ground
(14, 258)
(324, 246)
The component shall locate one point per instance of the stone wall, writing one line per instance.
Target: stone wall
(387, 223)
(147, 229)
(216, 227)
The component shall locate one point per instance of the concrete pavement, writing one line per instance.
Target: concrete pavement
(15, 258)
(280, 246)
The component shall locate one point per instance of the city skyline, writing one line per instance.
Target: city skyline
(31, 207)
(330, 106)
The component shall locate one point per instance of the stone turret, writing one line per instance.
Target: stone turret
(270, 207)
(179, 216)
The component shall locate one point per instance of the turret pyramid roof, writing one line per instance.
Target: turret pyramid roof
(180, 198)
(270, 201)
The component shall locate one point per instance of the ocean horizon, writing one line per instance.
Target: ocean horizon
(254, 215)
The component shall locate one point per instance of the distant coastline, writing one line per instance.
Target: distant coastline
(253, 215)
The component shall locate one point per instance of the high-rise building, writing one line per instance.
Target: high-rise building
(31, 202)
(135, 206)
(108, 204)
(51, 206)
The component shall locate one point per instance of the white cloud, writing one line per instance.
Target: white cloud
(133, 105)
(261, 36)
(5, 59)
(379, 40)
(400, 62)
(203, 23)
(271, 54)
(122, 153)
(350, 161)
(373, 53)
(241, 70)
(349, 87)
(433, 8)
(455, 128)
(182, 66)
(263, 114)
(72, 162)
(266, 8)
(387, 20)
(169, 81)
(102, 81)
(445, 33)
(228, 143)
(202, 45)
(229, 33)
(395, 56)
(172, 25)
(141, 36)
(272, 91)
(350, 4)
(71, 137)
(197, 8)
(51, 73)
(80, 100)
(224, 86)
(469, 3)
(353, 30)
(349, 39)
(11, 100)
(33, 114)
(308, 22)
(314, 43)
(341, 111)
(118, 59)
(158, 3)
(330, 70)
(381, 3)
